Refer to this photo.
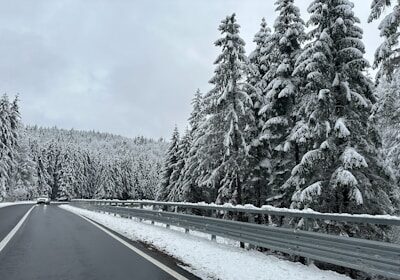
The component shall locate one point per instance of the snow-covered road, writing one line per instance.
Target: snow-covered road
(208, 259)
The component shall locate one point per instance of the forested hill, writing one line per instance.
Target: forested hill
(68, 163)
(91, 164)
(97, 142)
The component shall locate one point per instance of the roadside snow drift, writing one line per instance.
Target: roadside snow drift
(208, 259)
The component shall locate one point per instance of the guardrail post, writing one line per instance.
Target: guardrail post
(307, 227)
(152, 208)
(141, 207)
(251, 220)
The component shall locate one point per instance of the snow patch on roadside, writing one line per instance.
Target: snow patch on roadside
(5, 204)
(207, 259)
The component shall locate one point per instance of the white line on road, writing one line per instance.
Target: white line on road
(137, 251)
(11, 234)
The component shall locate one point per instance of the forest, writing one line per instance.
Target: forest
(73, 164)
(298, 123)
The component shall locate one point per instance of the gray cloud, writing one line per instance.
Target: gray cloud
(126, 67)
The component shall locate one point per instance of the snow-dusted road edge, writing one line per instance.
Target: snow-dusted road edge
(207, 259)
(4, 204)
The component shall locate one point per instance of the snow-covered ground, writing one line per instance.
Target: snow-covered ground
(4, 204)
(208, 259)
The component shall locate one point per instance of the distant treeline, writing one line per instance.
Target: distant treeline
(75, 164)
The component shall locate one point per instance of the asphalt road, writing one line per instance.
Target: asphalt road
(56, 244)
(10, 216)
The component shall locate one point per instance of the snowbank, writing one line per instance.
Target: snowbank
(4, 204)
(208, 259)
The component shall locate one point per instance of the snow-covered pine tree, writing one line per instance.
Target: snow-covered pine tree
(171, 159)
(141, 186)
(258, 76)
(6, 145)
(24, 171)
(175, 193)
(222, 148)
(387, 56)
(66, 179)
(125, 178)
(78, 172)
(386, 114)
(196, 116)
(262, 66)
(22, 176)
(92, 167)
(24, 181)
(279, 107)
(105, 188)
(191, 189)
(342, 170)
(53, 159)
(147, 178)
(43, 177)
(15, 120)
(259, 62)
(116, 178)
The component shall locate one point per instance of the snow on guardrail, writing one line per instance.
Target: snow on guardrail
(252, 208)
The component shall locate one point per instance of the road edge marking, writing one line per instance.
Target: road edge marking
(157, 263)
(15, 229)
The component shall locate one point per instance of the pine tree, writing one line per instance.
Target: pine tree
(66, 179)
(43, 177)
(175, 193)
(279, 106)
(257, 77)
(6, 146)
(387, 56)
(386, 114)
(54, 160)
(259, 60)
(222, 149)
(341, 170)
(191, 190)
(22, 179)
(24, 182)
(170, 161)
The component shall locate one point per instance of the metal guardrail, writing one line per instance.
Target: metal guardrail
(381, 258)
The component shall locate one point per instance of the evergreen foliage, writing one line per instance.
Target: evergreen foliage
(170, 165)
(74, 164)
(386, 115)
(281, 94)
(222, 144)
(387, 56)
(341, 170)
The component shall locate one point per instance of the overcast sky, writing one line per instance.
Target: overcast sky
(122, 66)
